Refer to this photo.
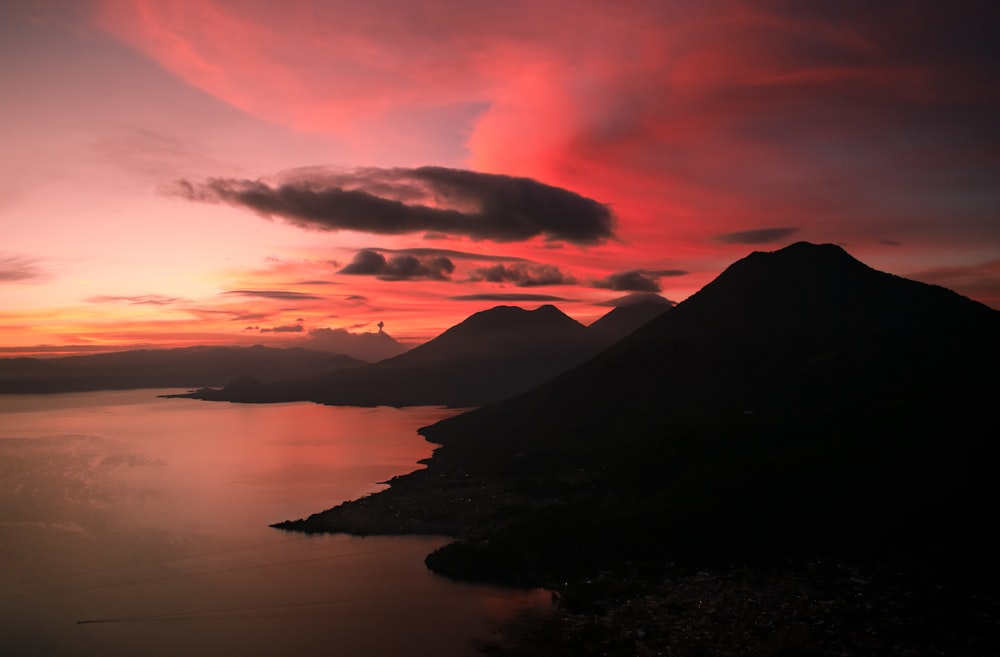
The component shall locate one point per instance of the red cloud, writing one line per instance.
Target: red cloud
(691, 119)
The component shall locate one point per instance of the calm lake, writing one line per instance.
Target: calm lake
(148, 517)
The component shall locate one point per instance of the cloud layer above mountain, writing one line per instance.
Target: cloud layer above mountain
(439, 200)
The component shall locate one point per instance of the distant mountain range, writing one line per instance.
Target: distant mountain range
(369, 347)
(801, 402)
(164, 368)
(490, 356)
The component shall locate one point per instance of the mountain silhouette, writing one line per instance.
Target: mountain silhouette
(627, 317)
(163, 368)
(801, 401)
(369, 347)
(489, 356)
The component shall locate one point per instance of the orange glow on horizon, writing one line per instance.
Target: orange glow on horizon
(710, 130)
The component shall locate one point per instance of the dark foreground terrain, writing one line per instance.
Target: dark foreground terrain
(623, 594)
(810, 608)
(798, 460)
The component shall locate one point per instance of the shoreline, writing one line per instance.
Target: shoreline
(811, 604)
(816, 606)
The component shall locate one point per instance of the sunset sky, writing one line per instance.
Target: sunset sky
(180, 172)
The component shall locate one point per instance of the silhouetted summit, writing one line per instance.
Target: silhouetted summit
(489, 356)
(503, 332)
(369, 347)
(800, 394)
(802, 401)
(804, 285)
(626, 318)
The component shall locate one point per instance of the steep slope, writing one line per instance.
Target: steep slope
(489, 356)
(626, 318)
(369, 347)
(801, 394)
(803, 330)
(801, 401)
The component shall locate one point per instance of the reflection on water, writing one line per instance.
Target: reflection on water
(149, 516)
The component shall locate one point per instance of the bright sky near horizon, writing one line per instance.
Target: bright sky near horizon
(180, 172)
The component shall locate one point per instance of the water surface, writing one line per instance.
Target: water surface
(135, 525)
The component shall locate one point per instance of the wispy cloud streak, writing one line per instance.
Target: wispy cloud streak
(17, 269)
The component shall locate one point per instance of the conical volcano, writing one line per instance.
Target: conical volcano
(800, 398)
(802, 402)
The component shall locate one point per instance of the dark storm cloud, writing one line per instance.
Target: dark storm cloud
(275, 294)
(635, 280)
(666, 272)
(515, 296)
(756, 236)
(480, 206)
(136, 300)
(522, 274)
(399, 267)
(293, 328)
(14, 269)
(365, 263)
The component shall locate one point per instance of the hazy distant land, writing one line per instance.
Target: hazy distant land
(163, 368)
(516, 349)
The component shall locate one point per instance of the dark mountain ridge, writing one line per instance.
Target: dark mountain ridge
(625, 318)
(370, 347)
(507, 328)
(802, 402)
(489, 356)
(163, 368)
(799, 330)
